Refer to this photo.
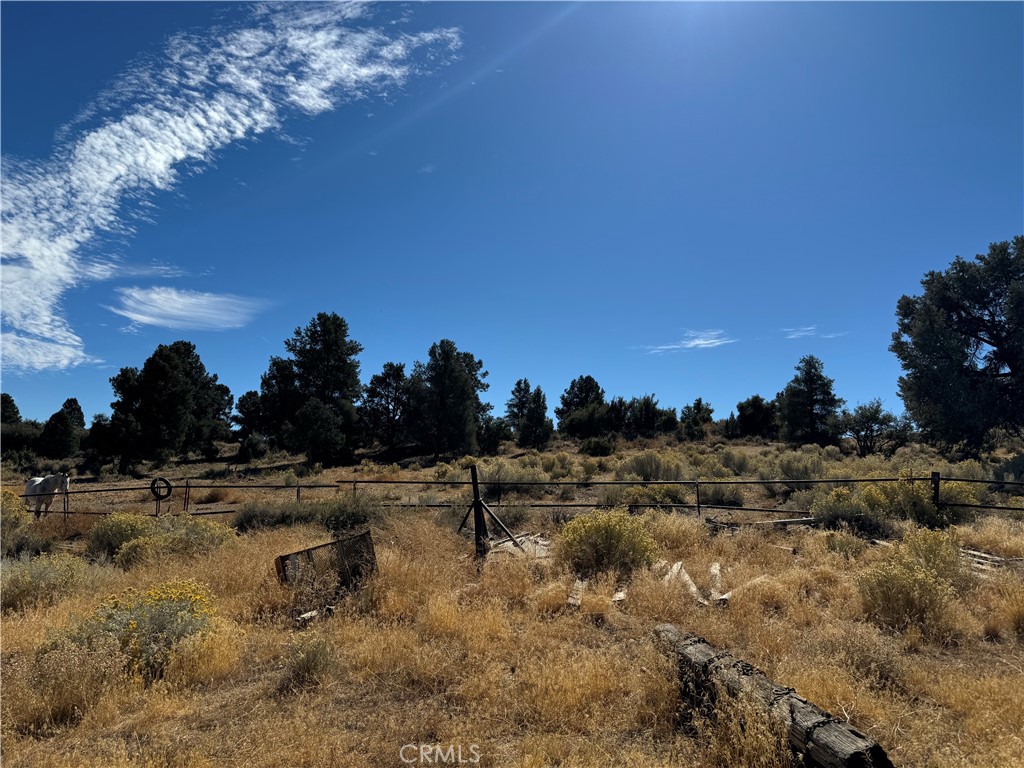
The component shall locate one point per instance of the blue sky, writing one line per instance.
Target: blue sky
(675, 198)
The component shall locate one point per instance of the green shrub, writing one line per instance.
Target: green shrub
(650, 465)
(558, 465)
(646, 495)
(253, 447)
(262, 514)
(513, 515)
(908, 500)
(832, 453)
(499, 477)
(736, 461)
(768, 471)
(971, 469)
(606, 541)
(844, 543)
(939, 553)
(113, 531)
(588, 468)
(805, 465)
(598, 446)
(954, 492)
(842, 506)
(38, 580)
(347, 511)
(916, 587)
(13, 515)
(915, 459)
(337, 514)
(721, 495)
(1012, 470)
(182, 535)
(19, 533)
(148, 625)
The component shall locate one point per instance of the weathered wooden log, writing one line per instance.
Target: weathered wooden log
(820, 739)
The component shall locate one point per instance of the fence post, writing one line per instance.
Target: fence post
(184, 503)
(479, 523)
(298, 491)
(696, 487)
(936, 479)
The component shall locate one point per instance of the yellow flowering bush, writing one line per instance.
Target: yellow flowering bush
(182, 535)
(13, 516)
(113, 531)
(603, 541)
(917, 586)
(908, 500)
(148, 625)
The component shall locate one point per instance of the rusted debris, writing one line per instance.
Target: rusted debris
(349, 558)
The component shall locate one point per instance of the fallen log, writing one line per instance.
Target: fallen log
(816, 736)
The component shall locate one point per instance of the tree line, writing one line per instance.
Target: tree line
(960, 343)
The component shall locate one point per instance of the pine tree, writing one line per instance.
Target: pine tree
(808, 407)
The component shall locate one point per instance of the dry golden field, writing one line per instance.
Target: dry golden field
(491, 660)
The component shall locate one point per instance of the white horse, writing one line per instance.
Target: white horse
(41, 491)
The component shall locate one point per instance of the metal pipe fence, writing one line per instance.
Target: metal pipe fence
(188, 506)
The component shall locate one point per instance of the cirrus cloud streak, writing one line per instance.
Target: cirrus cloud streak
(694, 340)
(166, 116)
(185, 310)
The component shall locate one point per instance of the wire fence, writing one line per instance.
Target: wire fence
(162, 493)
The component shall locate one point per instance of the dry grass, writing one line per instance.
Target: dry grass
(995, 535)
(438, 651)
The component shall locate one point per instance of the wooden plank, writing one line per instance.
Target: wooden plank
(678, 573)
(576, 595)
(725, 598)
(977, 554)
(716, 582)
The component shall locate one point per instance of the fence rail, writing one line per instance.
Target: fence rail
(499, 486)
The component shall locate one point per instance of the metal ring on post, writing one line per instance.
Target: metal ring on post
(160, 488)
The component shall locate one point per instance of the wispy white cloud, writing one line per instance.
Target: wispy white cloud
(109, 270)
(694, 340)
(799, 333)
(811, 330)
(428, 168)
(185, 310)
(165, 116)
